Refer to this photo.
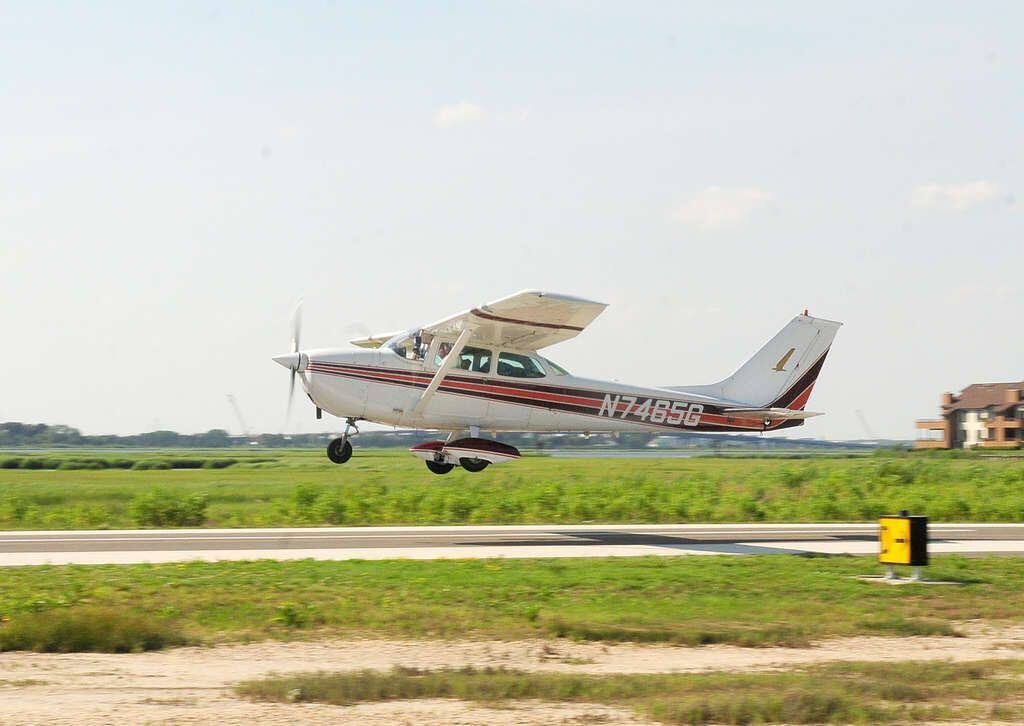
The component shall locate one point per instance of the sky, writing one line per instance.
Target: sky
(175, 175)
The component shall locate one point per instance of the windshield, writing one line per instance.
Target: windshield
(411, 344)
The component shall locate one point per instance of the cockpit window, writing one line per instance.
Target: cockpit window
(555, 369)
(515, 365)
(399, 344)
(443, 349)
(411, 345)
(474, 360)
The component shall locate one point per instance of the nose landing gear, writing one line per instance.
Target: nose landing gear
(340, 449)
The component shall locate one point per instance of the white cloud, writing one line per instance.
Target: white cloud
(719, 208)
(457, 114)
(955, 197)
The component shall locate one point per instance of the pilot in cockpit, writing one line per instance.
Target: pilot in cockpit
(420, 343)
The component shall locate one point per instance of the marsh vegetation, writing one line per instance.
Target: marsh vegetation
(266, 489)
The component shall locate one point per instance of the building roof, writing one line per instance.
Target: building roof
(984, 395)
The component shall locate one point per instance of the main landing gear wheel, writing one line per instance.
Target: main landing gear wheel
(474, 465)
(439, 467)
(339, 450)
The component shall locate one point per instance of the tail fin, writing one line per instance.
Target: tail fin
(783, 372)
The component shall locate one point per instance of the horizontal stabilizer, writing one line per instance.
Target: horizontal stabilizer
(776, 414)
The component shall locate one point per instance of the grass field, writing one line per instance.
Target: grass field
(770, 600)
(833, 693)
(285, 488)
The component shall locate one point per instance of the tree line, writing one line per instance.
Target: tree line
(44, 436)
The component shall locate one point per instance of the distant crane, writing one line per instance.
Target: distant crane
(864, 424)
(241, 421)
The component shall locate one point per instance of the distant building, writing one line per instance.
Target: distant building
(984, 414)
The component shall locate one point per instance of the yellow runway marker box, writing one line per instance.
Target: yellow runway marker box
(903, 540)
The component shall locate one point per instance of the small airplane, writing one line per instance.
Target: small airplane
(480, 370)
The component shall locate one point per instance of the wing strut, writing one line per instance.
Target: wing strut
(442, 371)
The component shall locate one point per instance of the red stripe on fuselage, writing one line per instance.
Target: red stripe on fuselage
(525, 396)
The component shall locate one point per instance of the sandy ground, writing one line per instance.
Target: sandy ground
(192, 685)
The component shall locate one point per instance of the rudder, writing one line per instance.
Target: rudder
(782, 373)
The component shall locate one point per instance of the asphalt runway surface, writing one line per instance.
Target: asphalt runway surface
(452, 542)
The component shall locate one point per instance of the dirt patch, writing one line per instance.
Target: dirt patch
(192, 685)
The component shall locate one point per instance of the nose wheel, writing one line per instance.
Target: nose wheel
(340, 449)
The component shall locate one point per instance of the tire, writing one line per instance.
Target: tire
(439, 468)
(339, 451)
(474, 465)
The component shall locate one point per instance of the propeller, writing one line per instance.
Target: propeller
(295, 361)
(296, 335)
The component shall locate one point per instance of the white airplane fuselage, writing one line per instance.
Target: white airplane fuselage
(385, 387)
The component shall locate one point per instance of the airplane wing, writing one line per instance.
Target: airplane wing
(528, 320)
(374, 341)
(775, 414)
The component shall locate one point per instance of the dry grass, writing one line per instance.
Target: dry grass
(836, 693)
(88, 629)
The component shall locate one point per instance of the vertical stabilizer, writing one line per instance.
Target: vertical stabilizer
(783, 372)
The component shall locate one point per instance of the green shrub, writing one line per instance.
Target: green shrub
(11, 463)
(40, 463)
(304, 496)
(87, 629)
(186, 463)
(159, 508)
(150, 464)
(219, 463)
(79, 464)
(13, 507)
(290, 615)
(330, 508)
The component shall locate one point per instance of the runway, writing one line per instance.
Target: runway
(453, 542)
